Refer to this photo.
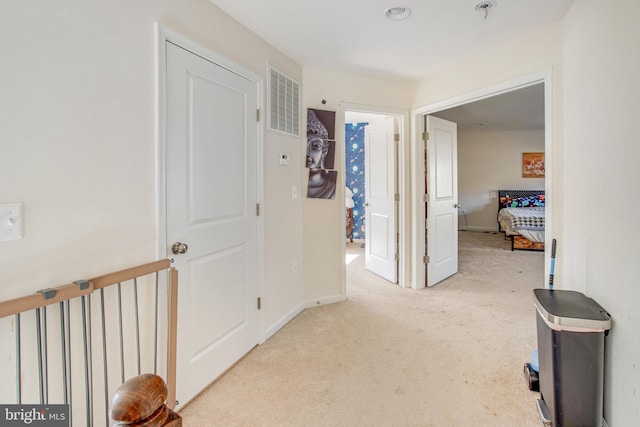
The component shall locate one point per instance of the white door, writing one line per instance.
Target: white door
(211, 207)
(442, 204)
(380, 202)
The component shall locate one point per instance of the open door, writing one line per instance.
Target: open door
(442, 199)
(380, 195)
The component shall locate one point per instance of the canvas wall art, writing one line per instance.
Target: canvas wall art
(533, 165)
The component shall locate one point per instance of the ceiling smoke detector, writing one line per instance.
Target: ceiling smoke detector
(484, 6)
(397, 13)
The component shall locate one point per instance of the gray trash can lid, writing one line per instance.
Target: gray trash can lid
(571, 311)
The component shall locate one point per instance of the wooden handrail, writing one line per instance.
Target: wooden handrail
(82, 288)
(73, 290)
(38, 300)
(130, 273)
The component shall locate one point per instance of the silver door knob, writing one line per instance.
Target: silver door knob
(457, 206)
(179, 248)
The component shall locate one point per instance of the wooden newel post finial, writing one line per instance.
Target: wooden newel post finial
(140, 400)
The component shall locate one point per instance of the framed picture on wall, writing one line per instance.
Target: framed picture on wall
(533, 165)
(321, 144)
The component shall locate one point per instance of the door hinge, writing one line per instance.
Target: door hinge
(396, 137)
(258, 115)
(396, 197)
(425, 136)
(257, 209)
(425, 259)
(259, 303)
(425, 197)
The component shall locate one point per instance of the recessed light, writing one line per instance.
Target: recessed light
(397, 13)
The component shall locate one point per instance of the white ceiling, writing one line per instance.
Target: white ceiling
(355, 36)
(521, 109)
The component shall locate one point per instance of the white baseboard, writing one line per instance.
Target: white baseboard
(473, 228)
(282, 322)
(271, 331)
(322, 301)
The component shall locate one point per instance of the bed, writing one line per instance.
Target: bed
(521, 218)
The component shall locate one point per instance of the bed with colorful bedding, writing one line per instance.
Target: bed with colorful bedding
(521, 218)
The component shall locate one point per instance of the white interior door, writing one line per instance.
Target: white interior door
(442, 204)
(380, 202)
(211, 207)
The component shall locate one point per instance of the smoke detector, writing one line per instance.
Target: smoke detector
(485, 5)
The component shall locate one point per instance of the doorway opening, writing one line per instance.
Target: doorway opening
(517, 111)
(374, 208)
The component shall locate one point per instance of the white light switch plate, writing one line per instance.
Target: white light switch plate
(11, 221)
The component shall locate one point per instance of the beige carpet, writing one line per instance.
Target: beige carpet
(451, 355)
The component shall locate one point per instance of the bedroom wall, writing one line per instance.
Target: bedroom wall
(488, 162)
(77, 126)
(602, 65)
(324, 219)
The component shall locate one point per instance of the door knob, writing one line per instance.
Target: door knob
(179, 248)
(457, 206)
(366, 205)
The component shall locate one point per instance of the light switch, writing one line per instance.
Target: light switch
(294, 192)
(11, 221)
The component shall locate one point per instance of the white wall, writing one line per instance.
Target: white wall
(77, 128)
(602, 89)
(488, 162)
(324, 219)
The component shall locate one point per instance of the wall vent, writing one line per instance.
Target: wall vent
(284, 103)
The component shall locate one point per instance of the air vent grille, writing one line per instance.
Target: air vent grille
(284, 103)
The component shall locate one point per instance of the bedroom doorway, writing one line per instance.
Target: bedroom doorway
(370, 144)
(479, 200)
(375, 210)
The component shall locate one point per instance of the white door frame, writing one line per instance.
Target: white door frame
(404, 181)
(163, 36)
(417, 128)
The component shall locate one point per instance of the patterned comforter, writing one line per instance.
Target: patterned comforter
(526, 222)
(522, 218)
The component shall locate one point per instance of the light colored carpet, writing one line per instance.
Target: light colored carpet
(451, 355)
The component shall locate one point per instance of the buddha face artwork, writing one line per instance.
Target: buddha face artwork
(321, 154)
(320, 139)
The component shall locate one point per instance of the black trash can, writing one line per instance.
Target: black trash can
(571, 332)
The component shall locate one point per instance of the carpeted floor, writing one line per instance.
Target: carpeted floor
(451, 355)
